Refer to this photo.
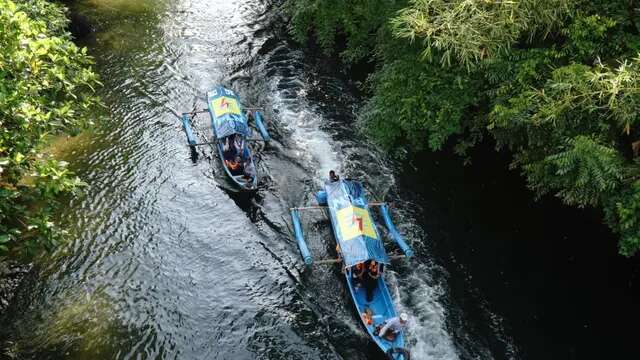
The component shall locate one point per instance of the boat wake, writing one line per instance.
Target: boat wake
(323, 140)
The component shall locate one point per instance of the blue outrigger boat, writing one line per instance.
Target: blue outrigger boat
(358, 242)
(231, 126)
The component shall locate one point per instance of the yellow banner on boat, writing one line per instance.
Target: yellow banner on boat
(354, 221)
(225, 105)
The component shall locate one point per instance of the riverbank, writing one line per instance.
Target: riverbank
(47, 93)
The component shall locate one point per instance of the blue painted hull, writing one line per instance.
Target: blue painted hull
(238, 180)
(358, 242)
(382, 308)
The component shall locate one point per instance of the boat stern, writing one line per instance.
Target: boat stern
(375, 313)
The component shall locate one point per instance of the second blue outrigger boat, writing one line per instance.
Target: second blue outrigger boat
(231, 135)
(359, 242)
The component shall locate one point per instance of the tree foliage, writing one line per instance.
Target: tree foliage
(413, 104)
(554, 81)
(467, 31)
(359, 21)
(46, 88)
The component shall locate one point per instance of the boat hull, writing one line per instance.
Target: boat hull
(230, 113)
(381, 307)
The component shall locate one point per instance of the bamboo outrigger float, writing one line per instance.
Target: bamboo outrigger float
(231, 135)
(358, 242)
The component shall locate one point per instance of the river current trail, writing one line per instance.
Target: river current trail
(165, 262)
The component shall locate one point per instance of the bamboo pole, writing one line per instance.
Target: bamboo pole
(339, 260)
(320, 207)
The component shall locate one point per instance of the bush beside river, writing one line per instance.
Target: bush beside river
(46, 89)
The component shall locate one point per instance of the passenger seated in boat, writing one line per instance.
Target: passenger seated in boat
(245, 158)
(238, 144)
(228, 151)
(371, 278)
(333, 177)
(358, 273)
(234, 166)
(367, 316)
(392, 327)
(249, 169)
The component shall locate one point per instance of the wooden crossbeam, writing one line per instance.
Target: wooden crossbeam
(337, 261)
(320, 207)
(215, 142)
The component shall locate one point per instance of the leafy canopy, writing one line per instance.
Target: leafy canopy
(467, 31)
(554, 81)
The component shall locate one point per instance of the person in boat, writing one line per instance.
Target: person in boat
(372, 274)
(392, 327)
(238, 145)
(358, 273)
(249, 169)
(234, 166)
(249, 116)
(228, 150)
(333, 177)
(367, 316)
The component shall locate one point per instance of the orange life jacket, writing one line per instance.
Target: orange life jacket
(367, 318)
(232, 165)
(373, 268)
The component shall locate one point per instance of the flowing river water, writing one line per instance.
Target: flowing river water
(166, 262)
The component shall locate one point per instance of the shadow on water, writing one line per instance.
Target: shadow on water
(552, 272)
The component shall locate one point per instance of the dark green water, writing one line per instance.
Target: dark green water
(165, 262)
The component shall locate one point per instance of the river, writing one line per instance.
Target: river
(166, 262)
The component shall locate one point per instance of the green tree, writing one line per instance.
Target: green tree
(359, 22)
(414, 104)
(554, 81)
(46, 88)
(470, 31)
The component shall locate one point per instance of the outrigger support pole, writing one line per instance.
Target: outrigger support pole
(321, 207)
(297, 228)
(204, 143)
(263, 130)
(394, 232)
(339, 260)
(214, 143)
(187, 129)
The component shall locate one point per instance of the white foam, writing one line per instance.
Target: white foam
(427, 332)
(427, 336)
(298, 117)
